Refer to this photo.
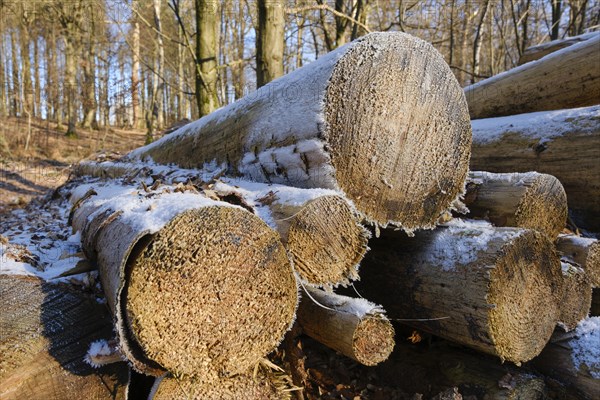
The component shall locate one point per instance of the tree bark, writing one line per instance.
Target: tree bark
(46, 332)
(16, 86)
(547, 142)
(269, 41)
(207, 47)
(541, 85)
(524, 200)
(172, 263)
(584, 252)
(304, 129)
(536, 52)
(135, 70)
(493, 289)
(4, 103)
(569, 359)
(320, 229)
(355, 327)
(89, 74)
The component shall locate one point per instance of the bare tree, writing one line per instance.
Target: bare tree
(269, 41)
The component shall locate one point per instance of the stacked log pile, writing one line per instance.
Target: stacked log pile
(211, 243)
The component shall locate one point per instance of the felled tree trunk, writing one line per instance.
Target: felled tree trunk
(565, 144)
(429, 369)
(564, 79)
(46, 331)
(381, 119)
(572, 358)
(525, 200)
(319, 228)
(493, 289)
(577, 297)
(248, 387)
(584, 252)
(355, 327)
(536, 52)
(196, 286)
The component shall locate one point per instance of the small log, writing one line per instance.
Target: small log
(429, 368)
(493, 289)
(573, 358)
(577, 298)
(319, 228)
(524, 200)
(355, 327)
(195, 285)
(582, 251)
(46, 331)
(381, 119)
(567, 78)
(541, 50)
(565, 144)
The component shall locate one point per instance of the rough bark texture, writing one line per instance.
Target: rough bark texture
(381, 119)
(559, 360)
(355, 327)
(166, 280)
(524, 200)
(536, 52)
(577, 298)
(270, 41)
(564, 79)
(584, 252)
(492, 289)
(565, 144)
(207, 45)
(46, 332)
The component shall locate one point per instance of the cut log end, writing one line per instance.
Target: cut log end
(577, 299)
(327, 241)
(525, 294)
(584, 252)
(416, 111)
(373, 340)
(230, 269)
(543, 206)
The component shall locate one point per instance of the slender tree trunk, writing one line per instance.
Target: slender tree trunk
(71, 83)
(135, 72)
(477, 43)
(180, 61)
(362, 13)
(207, 45)
(556, 13)
(3, 107)
(89, 73)
(27, 101)
(340, 24)
(38, 87)
(160, 66)
(269, 41)
(15, 97)
(237, 71)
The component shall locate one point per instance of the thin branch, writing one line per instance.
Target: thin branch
(325, 7)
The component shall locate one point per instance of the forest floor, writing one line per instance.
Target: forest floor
(28, 170)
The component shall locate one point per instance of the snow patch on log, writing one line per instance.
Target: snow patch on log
(144, 213)
(466, 251)
(541, 125)
(586, 346)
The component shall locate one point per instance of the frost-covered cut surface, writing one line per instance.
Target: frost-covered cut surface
(538, 125)
(143, 211)
(475, 235)
(512, 178)
(586, 346)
